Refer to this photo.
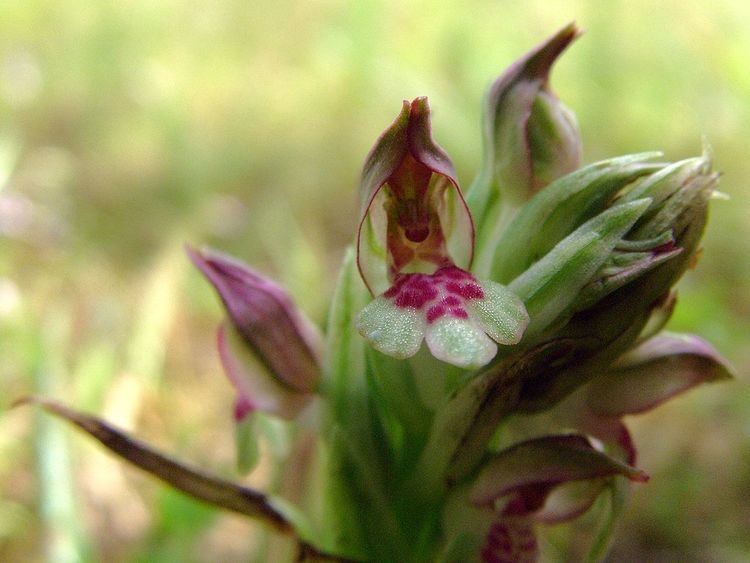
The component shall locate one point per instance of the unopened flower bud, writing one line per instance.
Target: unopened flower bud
(561, 208)
(530, 137)
(265, 328)
(680, 194)
(553, 283)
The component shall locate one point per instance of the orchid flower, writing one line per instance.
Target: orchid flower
(414, 247)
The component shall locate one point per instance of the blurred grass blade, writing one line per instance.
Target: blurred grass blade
(65, 540)
(156, 312)
(207, 488)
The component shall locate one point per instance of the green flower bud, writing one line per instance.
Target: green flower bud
(550, 286)
(680, 194)
(530, 138)
(562, 207)
(613, 309)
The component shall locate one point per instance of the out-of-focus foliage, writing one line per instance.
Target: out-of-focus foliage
(128, 128)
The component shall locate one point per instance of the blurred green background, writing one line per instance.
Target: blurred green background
(129, 128)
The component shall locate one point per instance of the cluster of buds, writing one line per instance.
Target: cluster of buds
(481, 351)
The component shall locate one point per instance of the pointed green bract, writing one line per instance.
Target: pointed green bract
(561, 208)
(550, 286)
(612, 276)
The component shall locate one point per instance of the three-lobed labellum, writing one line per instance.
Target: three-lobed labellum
(461, 318)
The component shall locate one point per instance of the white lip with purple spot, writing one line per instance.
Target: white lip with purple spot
(461, 318)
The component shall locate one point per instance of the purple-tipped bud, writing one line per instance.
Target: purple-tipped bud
(530, 137)
(655, 371)
(269, 328)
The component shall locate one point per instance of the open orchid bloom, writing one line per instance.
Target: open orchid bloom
(413, 217)
(414, 247)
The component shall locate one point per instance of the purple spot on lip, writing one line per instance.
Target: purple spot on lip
(419, 283)
(412, 290)
(453, 287)
(472, 291)
(425, 287)
(459, 313)
(467, 291)
(434, 313)
(392, 292)
(451, 301)
(396, 287)
(453, 273)
(410, 298)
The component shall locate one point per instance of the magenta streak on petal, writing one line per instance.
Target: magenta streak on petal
(411, 298)
(459, 313)
(451, 301)
(453, 273)
(453, 287)
(467, 291)
(394, 290)
(424, 284)
(434, 313)
(472, 291)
